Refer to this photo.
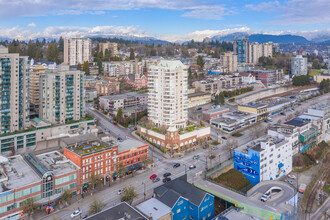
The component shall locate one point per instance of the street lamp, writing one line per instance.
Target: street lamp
(185, 168)
(144, 194)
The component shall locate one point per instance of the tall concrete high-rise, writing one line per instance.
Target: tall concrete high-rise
(298, 65)
(168, 93)
(62, 95)
(34, 87)
(242, 50)
(260, 50)
(14, 83)
(77, 50)
(228, 62)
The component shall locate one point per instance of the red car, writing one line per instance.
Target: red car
(153, 176)
(115, 123)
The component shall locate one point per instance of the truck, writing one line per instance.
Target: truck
(302, 188)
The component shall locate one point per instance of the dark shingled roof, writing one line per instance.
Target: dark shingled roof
(296, 122)
(170, 192)
(122, 210)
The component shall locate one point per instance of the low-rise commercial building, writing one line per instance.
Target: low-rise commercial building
(155, 209)
(287, 132)
(234, 121)
(44, 177)
(198, 98)
(267, 158)
(114, 102)
(256, 108)
(277, 105)
(320, 77)
(104, 159)
(209, 114)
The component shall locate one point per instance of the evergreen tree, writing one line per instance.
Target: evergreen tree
(132, 54)
(200, 61)
(86, 67)
(52, 53)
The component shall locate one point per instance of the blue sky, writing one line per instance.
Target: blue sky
(174, 20)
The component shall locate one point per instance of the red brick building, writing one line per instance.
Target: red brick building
(105, 89)
(136, 80)
(209, 114)
(104, 159)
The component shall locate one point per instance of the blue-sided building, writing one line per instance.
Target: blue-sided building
(185, 200)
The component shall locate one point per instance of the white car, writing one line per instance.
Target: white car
(292, 177)
(76, 213)
(265, 197)
(119, 192)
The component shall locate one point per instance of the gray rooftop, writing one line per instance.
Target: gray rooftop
(260, 143)
(78, 139)
(120, 211)
(129, 143)
(254, 105)
(154, 208)
(16, 174)
(227, 121)
(195, 94)
(124, 96)
(169, 192)
(215, 110)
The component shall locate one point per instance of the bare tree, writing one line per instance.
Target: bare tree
(96, 206)
(210, 155)
(129, 194)
(256, 131)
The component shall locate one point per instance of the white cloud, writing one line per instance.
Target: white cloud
(296, 11)
(194, 8)
(32, 25)
(215, 12)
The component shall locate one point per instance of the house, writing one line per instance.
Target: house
(185, 200)
(136, 80)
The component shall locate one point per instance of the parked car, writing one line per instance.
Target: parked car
(119, 192)
(167, 174)
(153, 176)
(119, 139)
(198, 109)
(215, 148)
(282, 113)
(76, 213)
(196, 157)
(167, 179)
(155, 180)
(115, 123)
(223, 137)
(85, 216)
(265, 197)
(192, 167)
(289, 181)
(292, 176)
(176, 165)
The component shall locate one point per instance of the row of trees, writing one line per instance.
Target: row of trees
(302, 80)
(325, 86)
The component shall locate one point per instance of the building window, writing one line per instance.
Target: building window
(209, 215)
(177, 211)
(192, 208)
(180, 202)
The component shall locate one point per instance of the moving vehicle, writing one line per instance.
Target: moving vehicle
(167, 174)
(302, 188)
(192, 167)
(155, 180)
(167, 179)
(196, 157)
(292, 176)
(176, 165)
(153, 176)
(76, 213)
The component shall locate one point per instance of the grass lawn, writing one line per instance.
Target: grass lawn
(233, 179)
(314, 72)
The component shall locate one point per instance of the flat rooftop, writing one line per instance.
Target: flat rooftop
(320, 106)
(89, 146)
(239, 115)
(117, 212)
(257, 145)
(153, 208)
(277, 101)
(57, 163)
(129, 143)
(254, 105)
(16, 173)
(296, 122)
(215, 110)
(196, 94)
(227, 121)
(125, 96)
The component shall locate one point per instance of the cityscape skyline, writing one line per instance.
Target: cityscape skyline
(173, 21)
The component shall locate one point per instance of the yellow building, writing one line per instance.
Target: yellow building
(319, 78)
(198, 98)
(34, 87)
(256, 108)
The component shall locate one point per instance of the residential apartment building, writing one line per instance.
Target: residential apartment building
(198, 98)
(77, 50)
(122, 68)
(228, 62)
(168, 93)
(216, 85)
(110, 46)
(114, 102)
(14, 95)
(107, 88)
(242, 50)
(287, 132)
(260, 50)
(299, 65)
(267, 158)
(44, 178)
(136, 80)
(62, 95)
(34, 87)
(104, 159)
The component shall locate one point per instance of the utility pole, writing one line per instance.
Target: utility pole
(144, 194)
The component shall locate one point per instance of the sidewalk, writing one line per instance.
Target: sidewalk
(77, 201)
